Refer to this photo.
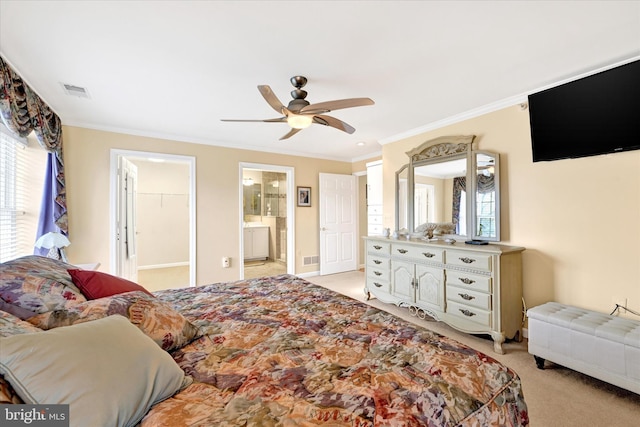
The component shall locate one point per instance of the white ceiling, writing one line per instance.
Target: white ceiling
(173, 69)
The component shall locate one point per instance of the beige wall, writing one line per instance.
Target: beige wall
(579, 219)
(163, 213)
(87, 158)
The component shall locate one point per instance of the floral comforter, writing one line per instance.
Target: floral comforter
(280, 351)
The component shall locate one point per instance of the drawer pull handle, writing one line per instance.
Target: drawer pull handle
(467, 260)
(466, 280)
(377, 285)
(377, 273)
(377, 261)
(466, 297)
(467, 312)
(428, 254)
(377, 247)
(403, 251)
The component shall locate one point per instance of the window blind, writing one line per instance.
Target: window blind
(17, 226)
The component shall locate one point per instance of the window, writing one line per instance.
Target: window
(486, 213)
(22, 167)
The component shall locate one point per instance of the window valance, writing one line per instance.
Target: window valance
(23, 111)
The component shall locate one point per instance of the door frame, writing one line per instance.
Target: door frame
(113, 202)
(289, 171)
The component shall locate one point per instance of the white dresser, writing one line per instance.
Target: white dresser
(474, 288)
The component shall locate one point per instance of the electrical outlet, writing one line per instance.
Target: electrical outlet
(619, 303)
(226, 262)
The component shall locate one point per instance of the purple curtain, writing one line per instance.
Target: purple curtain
(23, 111)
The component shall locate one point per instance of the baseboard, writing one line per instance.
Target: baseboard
(168, 265)
(306, 275)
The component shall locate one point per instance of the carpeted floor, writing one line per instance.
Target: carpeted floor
(556, 396)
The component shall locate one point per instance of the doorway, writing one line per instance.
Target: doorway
(338, 223)
(266, 220)
(153, 219)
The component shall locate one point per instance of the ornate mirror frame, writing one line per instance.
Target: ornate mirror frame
(444, 149)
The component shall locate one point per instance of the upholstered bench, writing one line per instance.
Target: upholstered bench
(599, 345)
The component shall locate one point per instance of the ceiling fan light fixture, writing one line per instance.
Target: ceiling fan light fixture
(299, 121)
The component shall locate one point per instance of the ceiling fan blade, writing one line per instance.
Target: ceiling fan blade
(334, 123)
(290, 134)
(325, 107)
(278, 120)
(271, 98)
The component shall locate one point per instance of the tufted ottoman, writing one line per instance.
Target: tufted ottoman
(600, 345)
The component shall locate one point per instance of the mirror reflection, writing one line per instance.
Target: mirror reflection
(440, 194)
(486, 196)
(252, 197)
(402, 193)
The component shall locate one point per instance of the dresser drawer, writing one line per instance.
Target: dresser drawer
(374, 210)
(379, 273)
(374, 230)
(377, 247)
(421, 253)
(375, 219)
(376, 285)
(468, 297)
(469, 259)
(467, 312)
(378, 262)
(469, 281)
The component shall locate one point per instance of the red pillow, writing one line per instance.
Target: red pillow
(94, 284)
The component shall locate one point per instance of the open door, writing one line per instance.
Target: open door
(338, 223)
(126, 258)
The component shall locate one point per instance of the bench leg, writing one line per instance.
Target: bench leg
(539, 362)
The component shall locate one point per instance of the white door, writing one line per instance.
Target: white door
(126, 259)
(338, 223)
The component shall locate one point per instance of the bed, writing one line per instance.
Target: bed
(272, 351)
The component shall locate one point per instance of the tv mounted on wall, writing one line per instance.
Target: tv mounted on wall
(597, 114)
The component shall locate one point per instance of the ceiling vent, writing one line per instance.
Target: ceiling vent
(73, 90)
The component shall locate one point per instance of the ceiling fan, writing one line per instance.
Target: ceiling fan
(300, 114)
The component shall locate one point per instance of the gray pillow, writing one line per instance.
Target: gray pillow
(107, 370)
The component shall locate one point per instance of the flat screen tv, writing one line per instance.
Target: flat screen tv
(597, 114)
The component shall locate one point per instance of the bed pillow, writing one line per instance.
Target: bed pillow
(108, 371)
(12, 325)
(95, 284)
(19, 312)
(36, 265)
(157, 319)
(38, 284)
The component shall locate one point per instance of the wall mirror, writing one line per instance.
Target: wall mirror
(252, 195)
(449, 183)
(402, 183)
(487, 213)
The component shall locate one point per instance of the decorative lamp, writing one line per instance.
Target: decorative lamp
(55, 242)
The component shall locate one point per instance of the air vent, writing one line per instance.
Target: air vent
(74, 90)
(311, 260)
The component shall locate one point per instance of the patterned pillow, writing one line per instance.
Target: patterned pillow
(11, 325)
(38, 284)
(19, 312)
(168, 328)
